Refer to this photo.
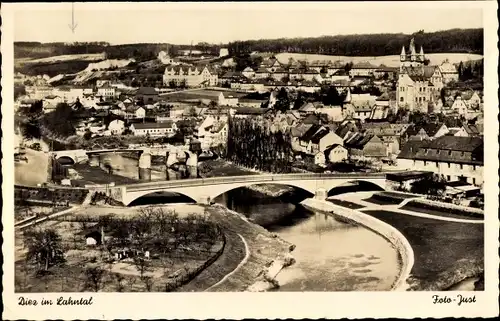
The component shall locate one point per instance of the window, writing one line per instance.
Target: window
(448, 177)
(401, 99)
(449, 165)
(474, 167)
(461, 166)
(473, 181)
(425, 163)
(437, 164)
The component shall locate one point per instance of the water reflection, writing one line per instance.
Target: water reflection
(331, 255)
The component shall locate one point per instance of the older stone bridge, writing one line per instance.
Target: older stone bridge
(172, 154)
(205, 190)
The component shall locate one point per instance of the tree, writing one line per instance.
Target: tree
(44, 247)
(142, 265)
(19, 90)
(282, 100)
(31, 128)
(119, 282)
(61, 120)
(299, 101)
(191, 111)
(172, 84)
(430, 185)
(93, 278)
(87, 135)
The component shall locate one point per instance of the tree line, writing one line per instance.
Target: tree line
(138, 51)
(454, 40)
(253, 144)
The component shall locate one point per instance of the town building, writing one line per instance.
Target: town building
(365, 147)
(426, 131)
(418, 84)
(453, 158)
(148, 95)
(116, 127)
(364, 69)
(192, 76)
(167, 128)
(316, 139)
(227, 101)
(106, 91)
(223, 52)
(248, 73)
(335, 153)
(449, 72)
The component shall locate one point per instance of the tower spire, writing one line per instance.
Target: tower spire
(413, 52)
(347, 99)
(403, 53)
(422, 53)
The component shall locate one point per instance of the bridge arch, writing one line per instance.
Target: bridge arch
(299, 188)
(66, 159)
(152, 198)
(357, 185)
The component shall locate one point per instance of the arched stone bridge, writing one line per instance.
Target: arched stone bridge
(80, 155)
(144, 162)
(204, 190)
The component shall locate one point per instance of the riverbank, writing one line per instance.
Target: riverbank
(268, 253)
(392, 235)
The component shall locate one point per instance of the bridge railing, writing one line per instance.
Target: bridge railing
(247, 178)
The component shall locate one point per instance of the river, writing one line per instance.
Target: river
(330, 255)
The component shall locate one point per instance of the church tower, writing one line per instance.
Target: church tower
(413, 51)
(412, 58)
(402, 57)
(421, 54)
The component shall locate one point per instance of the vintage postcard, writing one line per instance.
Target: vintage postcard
(267, 160)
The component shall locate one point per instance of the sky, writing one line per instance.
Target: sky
(183, 23)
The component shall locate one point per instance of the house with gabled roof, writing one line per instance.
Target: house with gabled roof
(426, 131)
(363, 147)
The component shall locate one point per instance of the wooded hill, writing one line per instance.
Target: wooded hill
(447, 41)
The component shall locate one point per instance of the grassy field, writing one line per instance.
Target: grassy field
(410, 207)
(347, 204)
(200, 94)
(389, 61)
(445, 252)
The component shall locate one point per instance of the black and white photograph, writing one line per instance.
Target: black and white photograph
(234, 147)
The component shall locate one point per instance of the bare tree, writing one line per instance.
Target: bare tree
(142, 265)
(119, 282)
(94, 278)
(148, 282)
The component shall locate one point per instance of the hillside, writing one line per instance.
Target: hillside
(447, 41)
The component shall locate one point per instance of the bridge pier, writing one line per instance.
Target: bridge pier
(145, 166)
(171, 158)
(94, 160)
(205, 200)
(192, 165)
(321, 194)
